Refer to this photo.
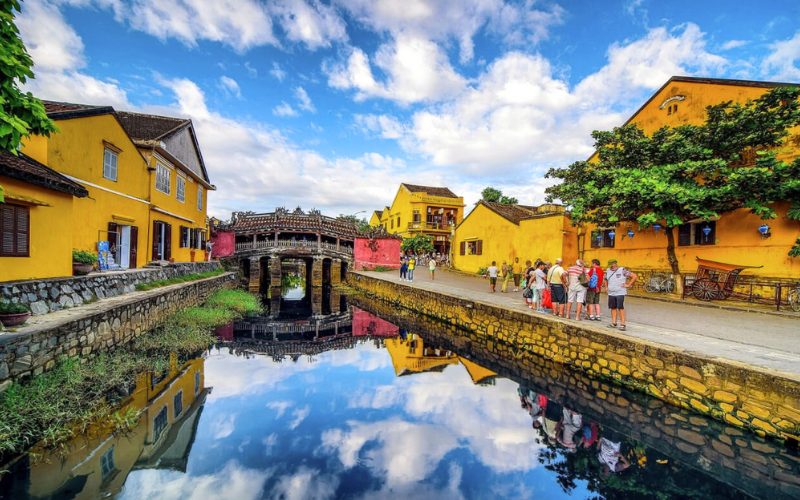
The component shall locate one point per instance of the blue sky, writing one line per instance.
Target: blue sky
(332, 104)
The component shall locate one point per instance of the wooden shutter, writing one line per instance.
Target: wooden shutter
(14, 231)
(167, 241)
(684, 235)
(463, 248)
(156, 239)
(134, 247)
(479, 247)
(202, 239)
(184, 233)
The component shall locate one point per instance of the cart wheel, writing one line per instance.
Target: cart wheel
(651, 288)
(794, 299)
(705, 289)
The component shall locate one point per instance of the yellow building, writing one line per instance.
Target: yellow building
(145, 176)
(35, 219)
(96, 463)
(433, 211)
(734, 237)
(499, 232)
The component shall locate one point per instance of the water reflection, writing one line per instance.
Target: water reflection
(356, 404)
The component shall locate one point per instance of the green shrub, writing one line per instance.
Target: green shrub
(236, 300)
(83, 257)
(9, 308)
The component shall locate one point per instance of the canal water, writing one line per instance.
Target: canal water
(333, 397)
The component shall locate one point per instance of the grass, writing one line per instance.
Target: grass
(178, 279)
(55, 406)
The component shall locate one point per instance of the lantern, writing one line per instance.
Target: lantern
(630, 233)
(656, 227)
(764, 230)
(611, 234)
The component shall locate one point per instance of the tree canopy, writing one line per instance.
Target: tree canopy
(361, 224)
(689, 172)
(496, 196)
(418, 244)
(21, 114)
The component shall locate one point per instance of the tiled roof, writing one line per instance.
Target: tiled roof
(289, 221)
(58, 110)
(512, 213)
(27, 169)
(379, 213)
(142, 127)
(433, 191)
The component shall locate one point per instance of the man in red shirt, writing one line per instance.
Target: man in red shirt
(593, 293)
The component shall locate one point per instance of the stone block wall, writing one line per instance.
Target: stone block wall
(741, 396)
(98, 328)
(48, 295)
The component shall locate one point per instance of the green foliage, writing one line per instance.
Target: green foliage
(795, 250)
(178, 279)
(21, 114)
(362, 225)
(83, 257)
(381, 269)
(482, 271)
(418, 244)
(9, 308)
(496, 196)
(241, 302)
(690, 171)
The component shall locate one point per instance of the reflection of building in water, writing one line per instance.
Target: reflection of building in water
(97, 463)
(366, 324)
(411, 355)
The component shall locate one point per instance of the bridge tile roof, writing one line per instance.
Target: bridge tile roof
(310, 223)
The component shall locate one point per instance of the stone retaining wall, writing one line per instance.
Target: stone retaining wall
(740, 395)
(97, 327)
(731, 455)
(44, 296)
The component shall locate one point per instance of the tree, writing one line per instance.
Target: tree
(418, 244)
(688, 172)
(361, 224)
(496, 196)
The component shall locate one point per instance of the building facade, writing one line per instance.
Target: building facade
(732, 238)
(432, 211)
(501, 233)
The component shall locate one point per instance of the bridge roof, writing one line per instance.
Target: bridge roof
(296, 221)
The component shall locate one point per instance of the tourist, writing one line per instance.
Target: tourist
(505, 270)
(403, 268)
(432, 268)
(557, 279)
(596, 275)
(516, 271)
(539, 284)
(412, 263)
(527, 284)
(492, 272)
(610, 456)
(571, 422)
(618, 280)
(578, 282)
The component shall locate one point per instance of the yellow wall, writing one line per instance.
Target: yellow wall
(50, 227)
(542, 237)
(403, 206)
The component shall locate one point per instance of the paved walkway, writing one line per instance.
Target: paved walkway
(771, 342)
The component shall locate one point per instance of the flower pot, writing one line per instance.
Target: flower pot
(15, 319)
(79, 269)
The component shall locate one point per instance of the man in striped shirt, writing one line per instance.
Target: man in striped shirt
(576, 291)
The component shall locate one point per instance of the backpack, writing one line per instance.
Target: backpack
(593, 279)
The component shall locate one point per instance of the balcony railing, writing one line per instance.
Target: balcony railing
(271, 243)
(428, 226)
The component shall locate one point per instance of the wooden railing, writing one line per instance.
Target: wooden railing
(256, 245)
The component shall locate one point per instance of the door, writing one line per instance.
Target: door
(124, 246)
(133, 247)
(113, 240)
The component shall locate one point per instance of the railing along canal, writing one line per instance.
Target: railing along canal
(257, 245)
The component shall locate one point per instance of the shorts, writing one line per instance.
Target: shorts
(517, 278)
(492, 281)
(577, 294)
(616, 302)
(592, 297)
(559, 295)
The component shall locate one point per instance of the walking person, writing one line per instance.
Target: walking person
(516, 272)
(596, 275)
(618, 280)
(557, 278)
(505, 274)
(492, 272)
(432, 268)
(412, 263)
(403, 268)
(578, 282)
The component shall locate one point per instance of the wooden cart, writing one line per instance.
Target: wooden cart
(715, 280)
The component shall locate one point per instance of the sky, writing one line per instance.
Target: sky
(332, 104)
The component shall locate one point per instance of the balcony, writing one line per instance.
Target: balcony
(429, 226)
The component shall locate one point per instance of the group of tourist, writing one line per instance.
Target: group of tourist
(547, 286)
(409, 262)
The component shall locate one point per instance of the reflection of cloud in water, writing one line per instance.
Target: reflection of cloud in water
(405, 452)
(298, 416)
(232, 481)
(305, 483)
(223, 426)
(363, 358)
(503, 440)
(234, 376)
(280, 407)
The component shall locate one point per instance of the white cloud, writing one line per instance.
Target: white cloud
(280, 407)
(417, 70)
(298, 415)
(230, 86)
(277, 72)
(284, 109)
(387, 127)
(223, 426)
(305, 483)
(312, 23)
(305, 101)
(733, 44)
(783, 62)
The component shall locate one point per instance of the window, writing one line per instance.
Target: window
(197, 382)
(199, 197)
(177, 403)
(398, 221)
(14, 230)
(417, 218)
(180, 189)
(601, 238)
(159, 423)
(391, 223)
(472, 247)
(697, 233)
(107, 463)
(186, 237)
(162, 178)
(110, 164)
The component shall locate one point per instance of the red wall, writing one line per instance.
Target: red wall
(384, 252)
(365, 323)
(224, 244)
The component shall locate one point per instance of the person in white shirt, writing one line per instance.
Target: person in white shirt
(492, 271)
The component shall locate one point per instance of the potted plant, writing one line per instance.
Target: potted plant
(13, 314)
(82, 262)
